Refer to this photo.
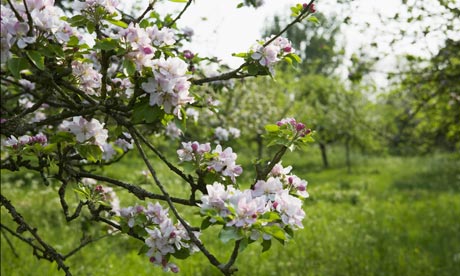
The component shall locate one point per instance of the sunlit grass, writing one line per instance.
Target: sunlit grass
(389, 216)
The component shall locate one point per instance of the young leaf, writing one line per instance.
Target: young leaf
(144, 249)
(313, 19)
(37, 58)
(92, 153)
(266, 244)
(16, 65)
(129, 66)
(206, 223)
(230, 233)
(118, 23)
(272, 128)
(275, 231)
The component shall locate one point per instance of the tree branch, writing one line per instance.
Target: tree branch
(212, 259)
(135, 190)
(180, 14)
(49, 252)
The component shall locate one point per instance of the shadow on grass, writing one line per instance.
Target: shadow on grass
(437, 174)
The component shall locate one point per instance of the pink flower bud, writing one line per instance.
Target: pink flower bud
(194, 146)
(290, 180)
(99, 189)
(174, 269)
(275, 204)
(287, 49)
(147, 50)
(301, 188)
(172, 235)
(139, 209)
(188, 54)
(152, 259)
(299, 126)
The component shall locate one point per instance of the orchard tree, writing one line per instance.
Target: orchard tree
(81, 89)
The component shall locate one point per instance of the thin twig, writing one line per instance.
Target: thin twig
(180, 14)
(9, 242)
(149, 8)
(134, 189)
(188, 178)
(298, 19)
(212, 259)
(49, 252)
(83, 244)
(16, 13)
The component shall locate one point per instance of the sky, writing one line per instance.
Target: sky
(221, 29)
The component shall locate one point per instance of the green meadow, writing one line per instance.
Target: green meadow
(388, 216)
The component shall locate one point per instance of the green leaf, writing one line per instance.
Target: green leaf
(188, 167)
(178, 1)
(118, 23)
(182, 254)
(92, 153)
(62, 136)
(313, 19)
(144, 24)
(253, 69)
(229, 233)
(270, 216)
(272, 128)
(241, 55)
(144, 112)
(37, 58)
(206, 223)
(289, 232)
(107, 44)
(266, 244)
(294, 57)
(240, 5)
(243, 244)
(144, 249)
(73, 41)
(16, 65)
(275, 231)
(77, 21)
(91, 27)
(129, 66)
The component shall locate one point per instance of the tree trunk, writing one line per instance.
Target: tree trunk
(260, 146)
(347, 154)
(324, 155)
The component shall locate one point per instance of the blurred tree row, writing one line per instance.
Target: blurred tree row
(418, 112)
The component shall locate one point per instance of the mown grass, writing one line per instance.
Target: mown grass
(389, 216)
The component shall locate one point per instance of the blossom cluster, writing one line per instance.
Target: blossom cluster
(108, 5)
(246, 209)
(270, 54)
(141, 43)
(219, 161)
(46, 17)
(88, 78)
(23, 140)
(223, 134)
(84, 130)
(164, 238)
(169, 87)
(101, 194)
(300, 129)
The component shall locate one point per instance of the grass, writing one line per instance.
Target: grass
(390, 216)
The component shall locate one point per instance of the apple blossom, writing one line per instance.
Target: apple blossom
(84, 130)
